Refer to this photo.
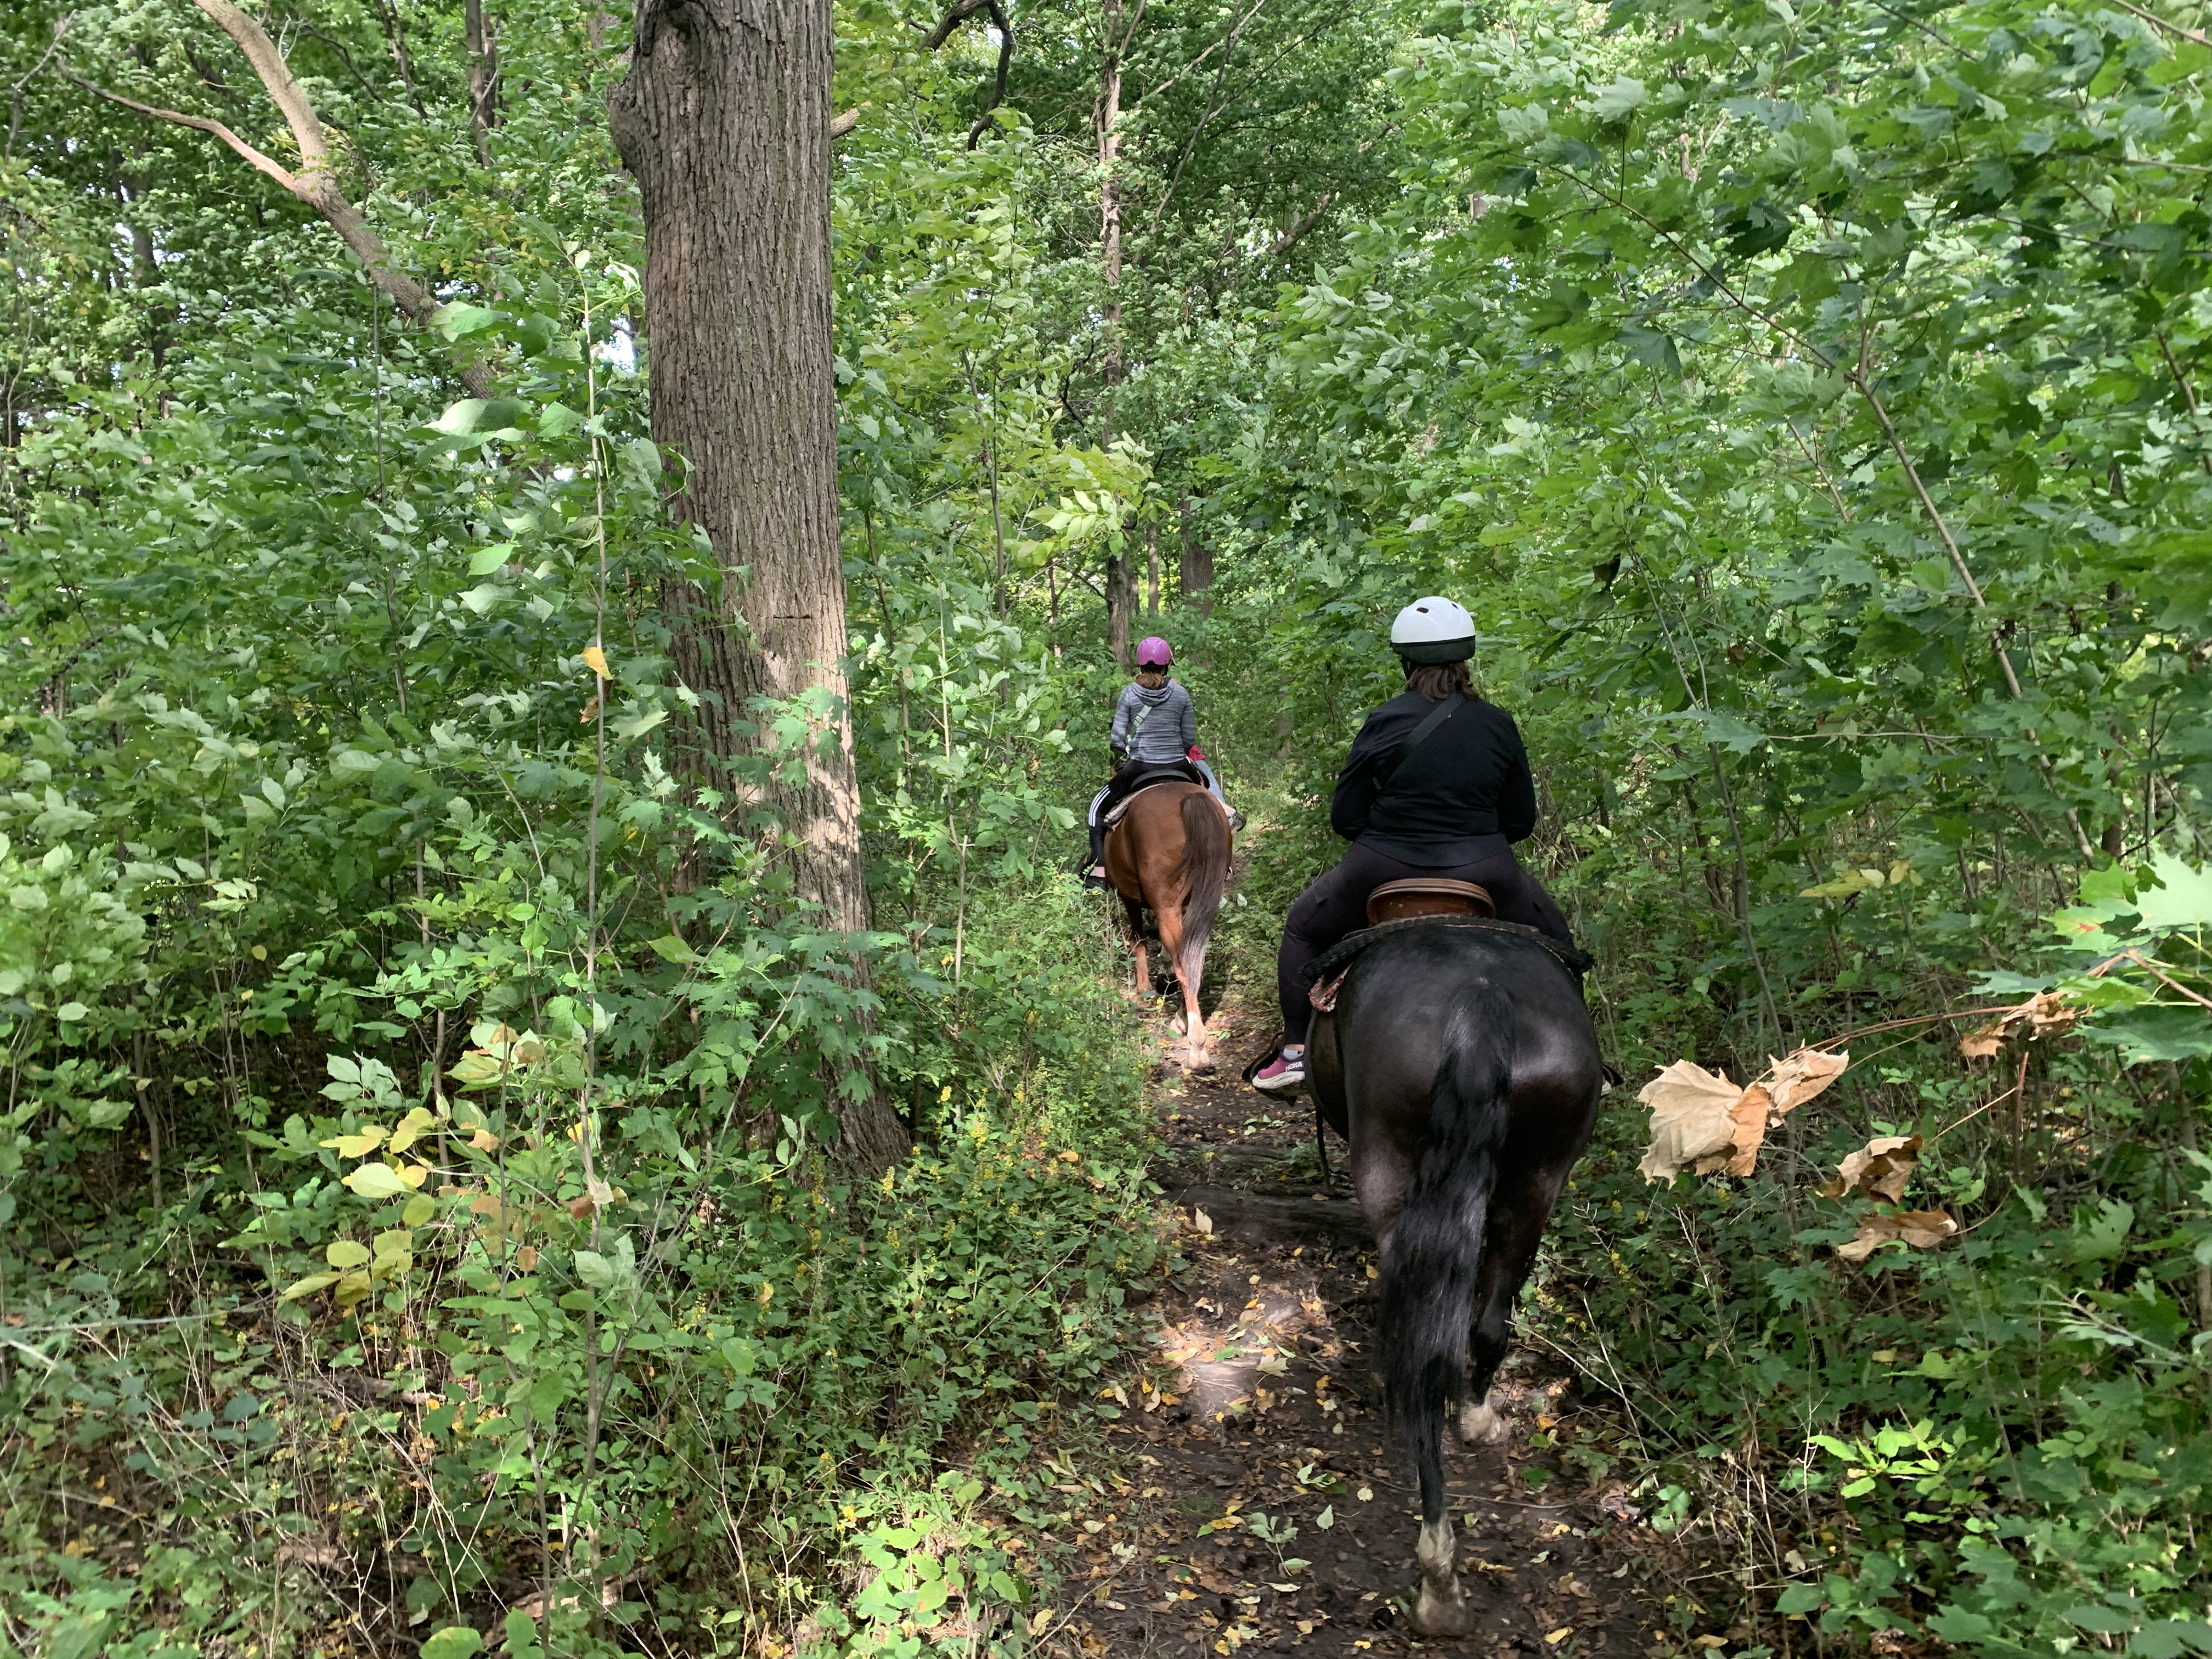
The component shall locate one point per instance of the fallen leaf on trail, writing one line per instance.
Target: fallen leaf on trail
(1203, 1222)
(1692, 1116)
(1918, 1228)
(1880, 1169)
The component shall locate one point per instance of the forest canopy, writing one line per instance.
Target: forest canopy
(563, 1092)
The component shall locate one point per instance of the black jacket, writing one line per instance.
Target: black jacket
(1462, 795)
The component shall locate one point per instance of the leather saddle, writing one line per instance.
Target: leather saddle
(1423, 896)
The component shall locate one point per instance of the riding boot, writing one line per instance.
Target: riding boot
(1095, 860)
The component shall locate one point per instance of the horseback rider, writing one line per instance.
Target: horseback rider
(1429, 790)
(1154, 733)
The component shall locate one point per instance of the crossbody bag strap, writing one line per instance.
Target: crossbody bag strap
(1437, 716)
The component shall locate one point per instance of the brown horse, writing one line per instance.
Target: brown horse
(1170, 854)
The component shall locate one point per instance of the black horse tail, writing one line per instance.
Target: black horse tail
(1428, 1289)
(1203, 873)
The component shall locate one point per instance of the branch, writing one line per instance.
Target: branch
(2175, 29)
(844, 123)
(313, 185)
(955, 15)
(198, 124)
(1289, 238)
(1006, 28)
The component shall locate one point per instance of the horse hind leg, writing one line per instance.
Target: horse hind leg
(1508, 1253)
(1172, 946)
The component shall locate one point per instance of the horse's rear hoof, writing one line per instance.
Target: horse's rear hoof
(1436, 1615)
(1482, 1426)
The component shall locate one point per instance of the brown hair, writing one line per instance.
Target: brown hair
(1438, 681)
(1151, 678)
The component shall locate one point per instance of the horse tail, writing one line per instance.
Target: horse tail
(1203, 874)
(1428, 1288)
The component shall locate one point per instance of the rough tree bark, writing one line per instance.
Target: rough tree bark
(725, 122)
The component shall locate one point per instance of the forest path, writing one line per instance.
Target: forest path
(1262, 1403)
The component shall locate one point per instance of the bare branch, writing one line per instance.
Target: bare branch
(314, 185)
(840, 125)
(198, 124)
(1006, 28)
(16, 99)
(1289, 238)
(955, 15)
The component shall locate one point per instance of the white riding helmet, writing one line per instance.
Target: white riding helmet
(1431, 631)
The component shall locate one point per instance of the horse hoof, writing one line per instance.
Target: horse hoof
(1437, 1615)
(1482, 1426)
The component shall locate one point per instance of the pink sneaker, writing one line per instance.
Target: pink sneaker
(1285, 1072)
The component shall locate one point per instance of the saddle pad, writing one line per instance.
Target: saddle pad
(1332, 962)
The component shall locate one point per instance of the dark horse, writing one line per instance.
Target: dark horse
(1168, 853)
(1462, 1067)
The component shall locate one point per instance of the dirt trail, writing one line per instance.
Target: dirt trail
(1253, 1438)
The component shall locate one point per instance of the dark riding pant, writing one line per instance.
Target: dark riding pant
(1131, 773)
(1336, 905)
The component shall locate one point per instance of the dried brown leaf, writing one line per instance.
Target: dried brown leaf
(1796, 1077)
(1749, 1116)
(1692, 1116)
(1918, 1228)
(1879, 1170)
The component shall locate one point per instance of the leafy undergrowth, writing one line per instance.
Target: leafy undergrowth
(735, 1435)
(2003, 1443)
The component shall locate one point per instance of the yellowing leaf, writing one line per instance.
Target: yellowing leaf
(410, 1128)
(1692, 1116)
(346, 1253)
(419, 1209)
(415, 1174)
(596, 660)
(360, 1145)
(308, 1286)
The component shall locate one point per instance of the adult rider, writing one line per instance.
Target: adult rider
(1450, 805)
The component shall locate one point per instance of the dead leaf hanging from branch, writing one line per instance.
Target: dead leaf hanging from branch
(1700, 1119)
(2043, 1013)
(1918, 1228)
(1879, 1170)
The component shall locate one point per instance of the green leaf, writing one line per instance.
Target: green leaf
(309, 1286)
(419, 1209)
(486, 560)
(346, 1253)
(454, 1642)
(595, 1270)
(671, 947)
(376, 1181)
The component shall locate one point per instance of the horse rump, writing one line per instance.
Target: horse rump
(1436, 1247)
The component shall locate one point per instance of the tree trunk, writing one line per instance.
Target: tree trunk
(483, 76)
(1106, 128)
(1120, 607)
(724, 121)
(1197, 574)
(1106, 125)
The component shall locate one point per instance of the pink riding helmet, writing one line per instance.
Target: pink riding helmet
(1153, 652)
